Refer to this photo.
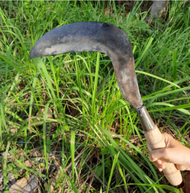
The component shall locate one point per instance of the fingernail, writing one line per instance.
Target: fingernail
(160, 169)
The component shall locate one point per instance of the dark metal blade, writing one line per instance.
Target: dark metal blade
(98, 37)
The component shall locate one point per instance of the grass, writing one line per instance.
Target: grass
(68, 108)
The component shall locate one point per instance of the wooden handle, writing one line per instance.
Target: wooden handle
(155, 140)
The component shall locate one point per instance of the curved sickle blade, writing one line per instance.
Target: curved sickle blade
(98, 37)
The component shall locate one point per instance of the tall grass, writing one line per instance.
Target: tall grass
(69, 107)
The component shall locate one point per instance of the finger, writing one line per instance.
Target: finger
(157, 154)
(188, 168)
(159, 161)
(159, 166)
(182, 167)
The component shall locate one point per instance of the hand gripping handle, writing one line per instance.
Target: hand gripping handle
(155, 140)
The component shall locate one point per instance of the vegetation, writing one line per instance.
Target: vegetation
(68, 110)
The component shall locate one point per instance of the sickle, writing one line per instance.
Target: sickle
(114, 42)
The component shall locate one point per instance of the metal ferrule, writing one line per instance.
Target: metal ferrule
(145, 119)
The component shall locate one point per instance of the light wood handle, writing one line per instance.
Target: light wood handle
(155, 140)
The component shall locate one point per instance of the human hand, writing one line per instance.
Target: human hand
(174, 152)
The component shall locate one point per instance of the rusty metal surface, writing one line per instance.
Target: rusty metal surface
(145, 119)
(99, 37)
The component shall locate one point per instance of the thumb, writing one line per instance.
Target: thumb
(158, 154)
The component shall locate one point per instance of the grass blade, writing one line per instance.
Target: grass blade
(73, 154)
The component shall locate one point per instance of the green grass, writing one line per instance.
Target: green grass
(69, 109)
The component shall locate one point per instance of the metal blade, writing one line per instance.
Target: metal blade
(98, 37)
